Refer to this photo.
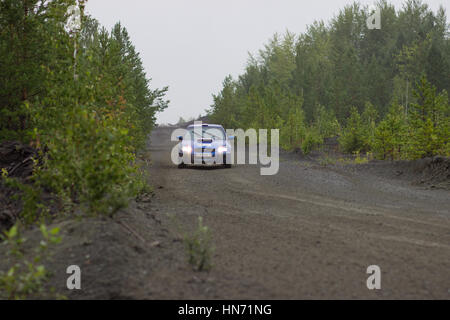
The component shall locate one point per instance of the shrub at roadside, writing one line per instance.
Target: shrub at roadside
(429, 122)
(353, 135)
(199, 248)
(389, 138)
(26, 278)
(90, 162)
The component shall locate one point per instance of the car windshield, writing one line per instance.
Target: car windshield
(205, 133)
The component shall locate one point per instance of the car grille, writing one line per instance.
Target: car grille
(204, 149)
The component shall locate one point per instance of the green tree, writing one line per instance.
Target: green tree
(353, 137)
(342, 64)
(390, 134)
(326, 123)
(428, 122)
(369, 119)
(223, 110)
(28, 31)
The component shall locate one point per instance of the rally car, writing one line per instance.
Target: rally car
(205, 144)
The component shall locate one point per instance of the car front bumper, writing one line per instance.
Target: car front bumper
(204, 158)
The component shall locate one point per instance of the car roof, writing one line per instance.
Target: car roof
(206, 125)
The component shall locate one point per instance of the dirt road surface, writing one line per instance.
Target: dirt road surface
(308, 232)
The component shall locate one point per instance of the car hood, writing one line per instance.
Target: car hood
(207, 143)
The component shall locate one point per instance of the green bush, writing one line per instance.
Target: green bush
(198, 247)
(369, 119)
(353, 138)
(423, 132)
(389, 137)
(326, 123)
(312, 141)
(32, 207)
(90, 162)
(26, 277)
(428, 122)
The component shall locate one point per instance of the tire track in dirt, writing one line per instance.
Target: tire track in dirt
(309, 232)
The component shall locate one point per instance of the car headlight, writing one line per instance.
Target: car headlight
(222, 149)
(187, 149)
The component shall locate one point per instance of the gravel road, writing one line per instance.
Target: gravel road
(310, 231)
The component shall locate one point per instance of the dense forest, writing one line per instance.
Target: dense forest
(381, 91)
(75, 110)
(80, 96)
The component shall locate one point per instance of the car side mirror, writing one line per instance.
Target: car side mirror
(180, 138)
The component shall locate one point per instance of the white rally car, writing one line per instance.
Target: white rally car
(205, 144)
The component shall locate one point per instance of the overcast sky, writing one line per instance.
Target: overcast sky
(192, 45)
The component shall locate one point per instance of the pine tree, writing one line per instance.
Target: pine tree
(28, 31)
(428, 122)
(353, 137)
(390, 134)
